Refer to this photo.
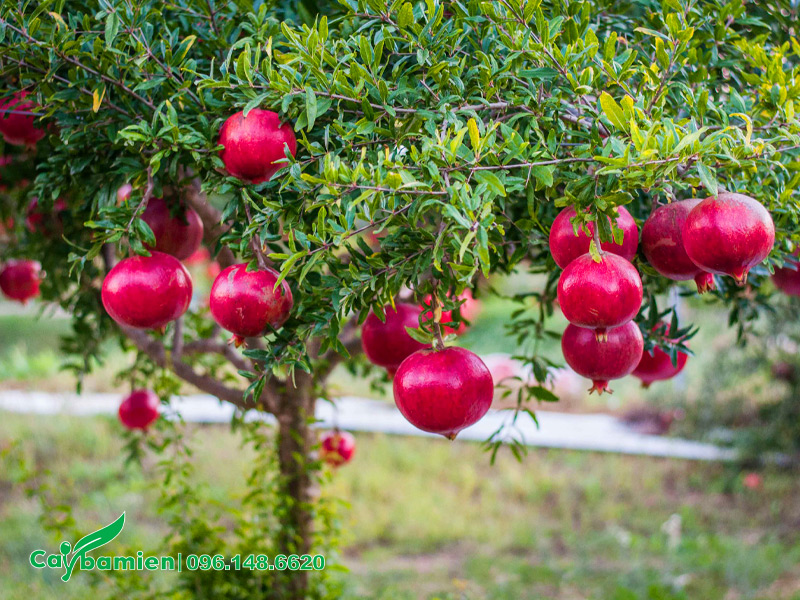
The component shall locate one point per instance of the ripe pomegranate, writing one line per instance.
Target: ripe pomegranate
(566, 246)
(656, 365)
(245, 302)
(787, 279)
(20, 279)
(139, 410)
(254, 144)
(662, 243)
(387, 343)
(19, 129)
(179, 233)
(337, 447)
(124, 193)
(602, 361)
(45, 221)
(443, 391)
(728, 235)
(600, 295)
(469, 309)
(147, 292)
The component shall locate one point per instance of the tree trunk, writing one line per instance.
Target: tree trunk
(295, 440)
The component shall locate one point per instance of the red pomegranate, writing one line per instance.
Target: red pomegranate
(124, 193)
(728, 235)
(656, 364)
(178, 233)
(566, 246)
(254, 144)
(246, 303)
(662, 244)
(443, 391)
(45, 221)
(147, 292)
(469, 309)
(20, 279)
(19, 129)
(337, 447)
(600, 295)
(787, 278)
(602, 361)
(139, 410)
(387, 343)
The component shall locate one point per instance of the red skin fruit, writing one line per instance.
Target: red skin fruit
(252, 145)
(787, 279)
(19, 130)
(443, 391)
(139, 410)
(602, 361)
(728, 235)
(20, 279)
(600, 295)
(469, 309)
(565, 246)
(662, 244)
(656, 365)
(387, 344)
(337, 448)
(147, 292)
(245, 302)
(40, 221)
(179, 235)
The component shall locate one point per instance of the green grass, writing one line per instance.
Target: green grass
(432, 519)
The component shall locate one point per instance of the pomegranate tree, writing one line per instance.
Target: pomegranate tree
(728, 234)
(139, 410)
(387, 343)
(178, 229)
(17, 123)
(443, 391)
(601, 362)
(247, 304)
(566, 245)
(337, 447)
(253, 145)
(600, 294)
(147, 292)
(662, 244)
(19, 279)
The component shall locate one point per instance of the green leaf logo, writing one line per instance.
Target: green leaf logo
(90, 542)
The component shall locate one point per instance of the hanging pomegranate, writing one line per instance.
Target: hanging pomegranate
(662, 244)
(601, 362)
(253, 145)
(19, 279)
(387, 343)
(139, 410)
(728, 234)
(17, 122)
(178, 232)
(566, 245)
(337, 447)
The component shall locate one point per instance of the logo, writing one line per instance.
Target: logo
(71, 555)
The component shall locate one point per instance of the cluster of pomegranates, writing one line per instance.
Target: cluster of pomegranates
(727, 234)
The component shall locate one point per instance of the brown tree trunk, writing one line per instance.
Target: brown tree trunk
(295, 440)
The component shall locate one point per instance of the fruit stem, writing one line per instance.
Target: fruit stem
(438, 343)
(596, 237)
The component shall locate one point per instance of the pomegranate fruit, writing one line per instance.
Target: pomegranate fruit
(45, 221)
(139, 410)
(337, 447)
(787, 278)
(443, 391)
(600, 295)
(566, 246)
(662, 244)
(387, 343)
(656, 365)
(19, 129)
(124, 193)
(177, 233)
(147, 292)
(469, 309)
(20, 279)
(254, 144)
(603, 361)
(728, 235)
(246, 303)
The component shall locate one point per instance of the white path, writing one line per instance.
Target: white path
(597, 432)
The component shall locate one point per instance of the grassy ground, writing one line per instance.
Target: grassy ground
(432, 519)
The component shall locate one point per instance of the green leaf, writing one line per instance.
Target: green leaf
(112, 28)
(406, 15)
(612, 110)
(311, 107)
(709, 178)
(492, 182)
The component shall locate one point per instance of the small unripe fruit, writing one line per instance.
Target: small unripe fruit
(147, 292)
(729, 234)
(566, 246)
(253, 145)
(443, 391)
(139, 410)
(387, 343)
(19, 279)
(337, 448)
